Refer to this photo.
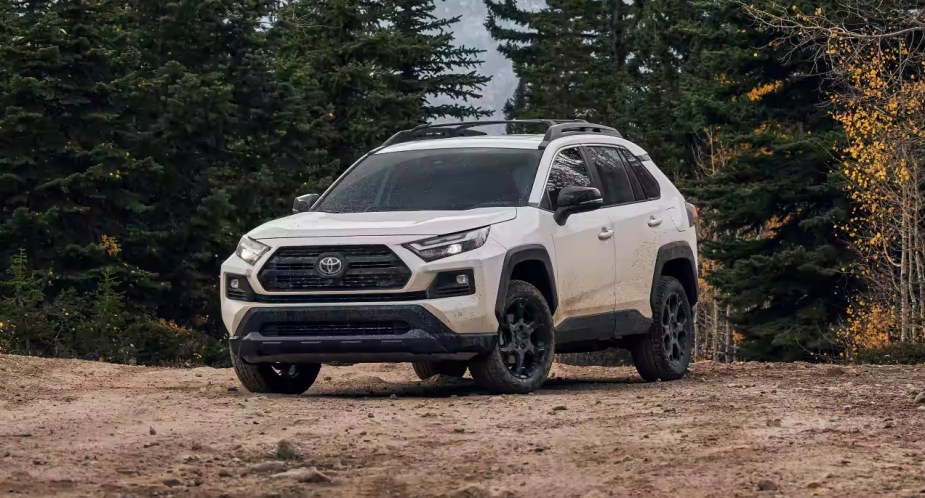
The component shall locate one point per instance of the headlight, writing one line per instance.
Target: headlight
(250, 250)
(449, 245)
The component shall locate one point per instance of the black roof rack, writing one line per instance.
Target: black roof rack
(555, 128)
(561, 130)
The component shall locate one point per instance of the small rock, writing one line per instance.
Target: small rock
(773, 422)
(393, 396)
(559, 408)
(232, 389)
(285, 450)
(224, 473)
(889, 425)
(459, 430)
(303, 474)
(151, 431)
(766, 485)
(814, 485)
(170, 483)
(370, 415)
(919, 399)
(151, 444)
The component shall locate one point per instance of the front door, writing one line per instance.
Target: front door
(584, 255)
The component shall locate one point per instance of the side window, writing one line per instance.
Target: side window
(615, 181)
(648, 182)
(568, 169)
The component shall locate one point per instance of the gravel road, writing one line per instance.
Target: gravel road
(74, 428)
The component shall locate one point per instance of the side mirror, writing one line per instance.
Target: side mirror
(305, 202)
(574, 200)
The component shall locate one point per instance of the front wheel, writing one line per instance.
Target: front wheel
(523, 355)
(665, 351)
(281, 378)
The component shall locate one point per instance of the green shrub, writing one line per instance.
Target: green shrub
(94, 326)
(894, 354)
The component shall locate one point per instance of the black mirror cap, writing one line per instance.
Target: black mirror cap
(305, 202)
(572, 196)
(574, 200)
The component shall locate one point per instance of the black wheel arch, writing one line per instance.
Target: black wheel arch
(676, 259)
(537, 256)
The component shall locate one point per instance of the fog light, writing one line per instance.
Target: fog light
(235, 284)
(462, 279)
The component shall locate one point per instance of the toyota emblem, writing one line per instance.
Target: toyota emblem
(330, 266)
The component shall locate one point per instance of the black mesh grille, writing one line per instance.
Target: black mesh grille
(329, 329)
(368, 267)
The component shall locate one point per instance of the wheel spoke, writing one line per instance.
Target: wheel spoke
(519, 366)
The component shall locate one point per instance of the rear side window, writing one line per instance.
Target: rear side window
(649, 183)
(568, 170)
(615, 181)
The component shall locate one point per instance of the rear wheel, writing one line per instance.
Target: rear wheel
(523, 355)
(428, 369)
(665, 352)
(277, 378)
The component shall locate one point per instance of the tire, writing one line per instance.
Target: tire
(665, 351)
(428, 369)
(275, 378)
(526, 344)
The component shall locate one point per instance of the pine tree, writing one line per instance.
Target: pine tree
(608, 61)
(68, 178)
(776, 202)
(347, 49)
(429, 65)
(553, 53)
(236, 133)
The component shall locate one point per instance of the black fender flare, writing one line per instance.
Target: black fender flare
(530, 252)
(669, 252)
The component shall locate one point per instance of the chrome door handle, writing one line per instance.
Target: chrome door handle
(605, 234)
(654, 222)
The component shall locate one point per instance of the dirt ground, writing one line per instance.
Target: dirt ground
(76, 428)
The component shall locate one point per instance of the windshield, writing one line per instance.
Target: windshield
(435, 180)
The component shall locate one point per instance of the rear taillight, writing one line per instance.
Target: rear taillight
(692, 214)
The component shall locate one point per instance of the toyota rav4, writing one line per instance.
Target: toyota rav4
(453, 249)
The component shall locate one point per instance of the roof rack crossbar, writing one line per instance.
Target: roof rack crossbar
(462, 129)
(565, 129)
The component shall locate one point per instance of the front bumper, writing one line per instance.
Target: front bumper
(422, 336)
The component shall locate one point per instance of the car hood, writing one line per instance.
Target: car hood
(391, 223)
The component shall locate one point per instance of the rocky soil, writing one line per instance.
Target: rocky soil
(73, 428)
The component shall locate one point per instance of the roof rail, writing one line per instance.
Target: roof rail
(464, 129)
(565, 129)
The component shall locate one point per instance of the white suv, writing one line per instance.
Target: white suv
(453, 249)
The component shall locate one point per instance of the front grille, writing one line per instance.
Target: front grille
(367, 268)
(341, 298)
(329, 329)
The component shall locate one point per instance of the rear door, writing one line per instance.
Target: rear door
(632, 211)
